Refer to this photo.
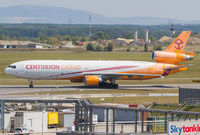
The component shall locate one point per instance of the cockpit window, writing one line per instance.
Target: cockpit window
(12, 66)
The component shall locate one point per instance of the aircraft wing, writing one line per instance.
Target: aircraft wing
(121, 74)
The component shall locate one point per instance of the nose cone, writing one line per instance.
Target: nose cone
(8, 71)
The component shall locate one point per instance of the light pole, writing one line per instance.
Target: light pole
(42, 121)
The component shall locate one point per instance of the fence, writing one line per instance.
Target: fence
(139, 125)
(111, 124)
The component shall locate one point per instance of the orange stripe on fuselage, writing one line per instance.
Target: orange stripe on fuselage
(156, 69)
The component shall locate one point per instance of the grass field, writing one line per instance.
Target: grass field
(136, 100)
(8, 57)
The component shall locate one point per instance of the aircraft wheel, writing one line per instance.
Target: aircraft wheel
(31, 86)
(106, 85)
(110, 85)
(115, 86)
(102, 86)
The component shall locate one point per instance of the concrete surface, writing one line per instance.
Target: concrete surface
(26, 89)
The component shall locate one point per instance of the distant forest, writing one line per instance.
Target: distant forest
(34, 31)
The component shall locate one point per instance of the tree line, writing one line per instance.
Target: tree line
(54, 33)
(98, 31)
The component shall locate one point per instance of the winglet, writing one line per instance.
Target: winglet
(178, 45)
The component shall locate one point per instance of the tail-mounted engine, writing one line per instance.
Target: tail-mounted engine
(92, 80)
(172, 57)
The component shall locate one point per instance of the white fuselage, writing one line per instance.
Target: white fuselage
(63, 69)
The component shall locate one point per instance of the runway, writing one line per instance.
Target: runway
(5, 90)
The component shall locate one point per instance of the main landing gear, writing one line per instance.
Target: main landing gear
(112, 84)
(31, 84)
(109, 85)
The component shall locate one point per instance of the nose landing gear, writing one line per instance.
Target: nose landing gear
(31, 84)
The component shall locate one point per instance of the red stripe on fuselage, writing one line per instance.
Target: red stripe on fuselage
(103, 69)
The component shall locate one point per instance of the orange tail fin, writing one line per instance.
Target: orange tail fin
(179, 44)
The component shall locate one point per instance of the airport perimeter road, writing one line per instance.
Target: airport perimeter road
(26, 89)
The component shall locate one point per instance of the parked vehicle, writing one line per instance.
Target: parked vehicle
(21, 131)
(52, 119)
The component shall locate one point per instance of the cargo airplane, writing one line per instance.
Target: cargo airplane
(104, 73)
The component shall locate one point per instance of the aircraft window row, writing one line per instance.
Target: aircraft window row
(12, 67)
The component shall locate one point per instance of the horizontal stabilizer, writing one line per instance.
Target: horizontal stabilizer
(171, 68)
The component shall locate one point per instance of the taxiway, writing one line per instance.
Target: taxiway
(4, 90)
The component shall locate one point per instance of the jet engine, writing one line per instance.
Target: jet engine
(92, 80)
(172, 57)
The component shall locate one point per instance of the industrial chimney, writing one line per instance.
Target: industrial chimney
(135, 36)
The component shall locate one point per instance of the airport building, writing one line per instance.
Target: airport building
(189, 95)
(74, 115)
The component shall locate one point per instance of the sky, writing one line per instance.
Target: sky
(174, 9)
